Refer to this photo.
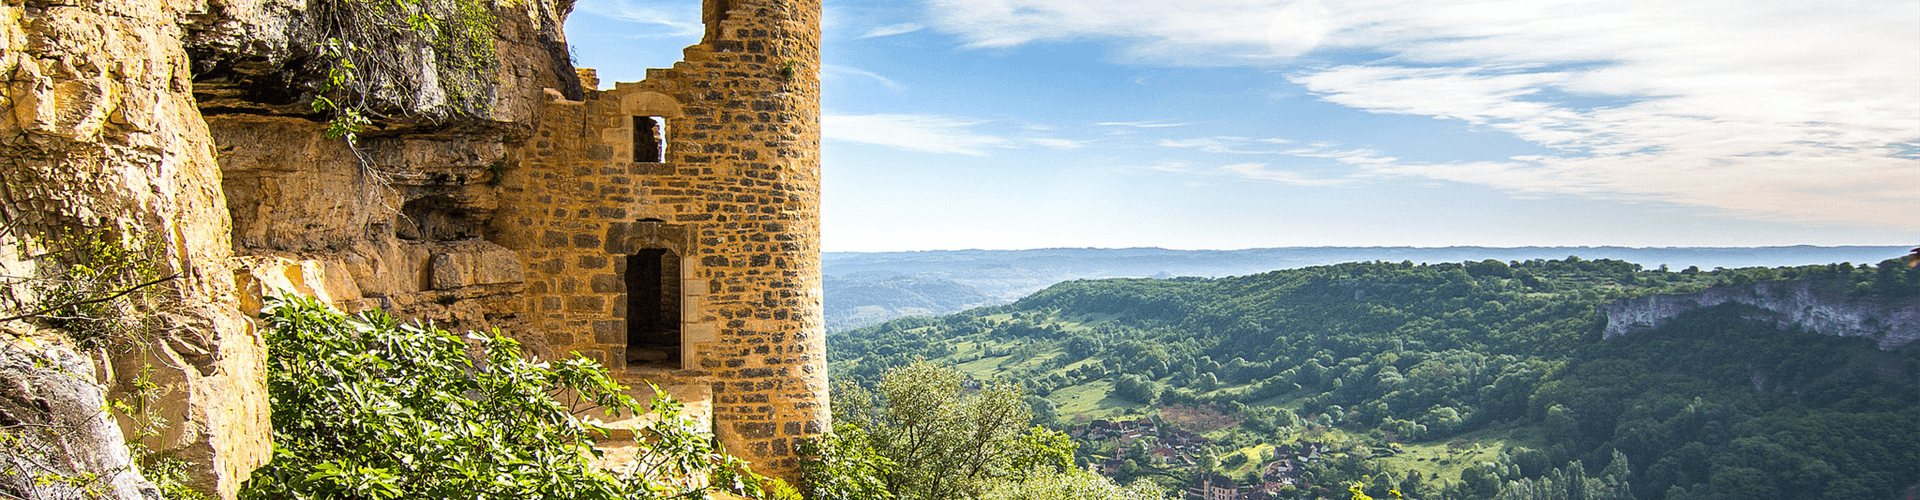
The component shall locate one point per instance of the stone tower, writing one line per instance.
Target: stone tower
(670, 228)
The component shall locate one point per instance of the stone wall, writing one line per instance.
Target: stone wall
(737, 199)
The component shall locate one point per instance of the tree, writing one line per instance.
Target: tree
(1134, 388)
(367, 408)
(1073, 484)
(943, 443)
(1573, 483)
(844, 466)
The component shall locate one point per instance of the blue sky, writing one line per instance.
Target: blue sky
(1225, 124)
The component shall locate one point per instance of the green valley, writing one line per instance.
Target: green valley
(1458, 380)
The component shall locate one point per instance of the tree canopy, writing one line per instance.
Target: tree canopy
(1720, 402)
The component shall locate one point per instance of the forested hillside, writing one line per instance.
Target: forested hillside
(853, 303)
(1470, 380)
(867, 288)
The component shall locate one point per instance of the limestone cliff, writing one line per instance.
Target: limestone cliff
(54, 386)
(100, 137)
(1892, 322)
(184, 132)
(398, 222)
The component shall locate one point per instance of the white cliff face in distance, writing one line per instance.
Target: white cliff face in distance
(1891, 322)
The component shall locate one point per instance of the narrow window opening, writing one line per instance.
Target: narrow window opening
(649, 139)
(653, 308)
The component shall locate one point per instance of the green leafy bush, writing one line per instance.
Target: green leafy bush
(367, 408)
(844, 466)
(1073, 484)
(924, 434)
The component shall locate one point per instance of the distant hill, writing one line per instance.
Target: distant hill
(866, 288)
(853, 303)
(1462, 381)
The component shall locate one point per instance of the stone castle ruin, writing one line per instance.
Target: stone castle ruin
(668, 228)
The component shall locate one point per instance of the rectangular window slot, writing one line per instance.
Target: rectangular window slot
(649, 139)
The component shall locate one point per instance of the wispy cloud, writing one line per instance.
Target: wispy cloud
(1142, 124)
(832, 70)
(1220, 145)
(1178, 167)
(1793, 111)
(924, 133)
(1200, 33)
(681, 21)
(893, 29)
(1057, 143)
(1260, 172)
(1366, 157)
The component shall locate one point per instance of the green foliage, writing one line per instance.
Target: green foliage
(1722, 406)
(104, 290)
(346, 118)
(463, 41)
(96, 285)
(367, 408)
(844, 466)
(1721, 402)
(166, 472)
(368, 57)
(497, 172)
(936, 440)
(1573, 483)
(1072, 484)
(1133, 388)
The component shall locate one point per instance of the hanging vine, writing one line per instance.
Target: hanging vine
(385, 60)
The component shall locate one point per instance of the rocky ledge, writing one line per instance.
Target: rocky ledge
(1892, 322)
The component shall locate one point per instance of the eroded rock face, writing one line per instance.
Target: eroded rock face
(265, 57)
(1890, 322)
(101, 136)
(56, 413)
(401, 222)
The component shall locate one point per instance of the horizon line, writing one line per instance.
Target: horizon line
(1414, 247)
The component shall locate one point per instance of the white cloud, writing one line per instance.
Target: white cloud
(680, 21)
(893, 29)
(833, 70)
(1057, 143)
(1364, 157)
(924, 133)
(1219, 145)
(1259, 172)
(1142, 124)
(1771, 110)
(1202, 33)
(1178, 167)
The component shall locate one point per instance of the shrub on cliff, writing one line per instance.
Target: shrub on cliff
(366, 407)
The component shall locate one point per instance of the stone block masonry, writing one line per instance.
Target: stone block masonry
(670, 228)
